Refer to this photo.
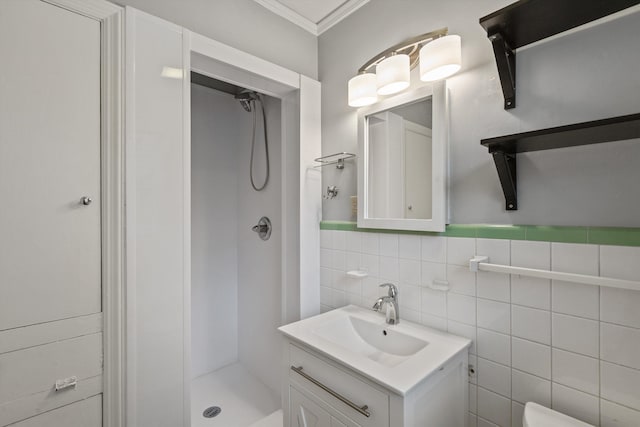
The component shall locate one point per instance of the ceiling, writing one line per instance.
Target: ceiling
(315, 16)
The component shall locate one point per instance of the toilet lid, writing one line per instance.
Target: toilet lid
(538, 416)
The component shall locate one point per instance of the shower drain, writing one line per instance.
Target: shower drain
(212, 411)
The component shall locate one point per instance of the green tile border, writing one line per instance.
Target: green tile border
(558, 234)
(510, 232)
(338, 225)
(615, 236)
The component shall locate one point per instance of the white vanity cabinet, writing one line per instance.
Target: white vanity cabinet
(347, 367)
(351, 388)
(440, 400)
(305, 412)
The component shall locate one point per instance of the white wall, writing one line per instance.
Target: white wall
(243, 24)
(217, 124)
(259, 262)
(569, 346)
(588, 75)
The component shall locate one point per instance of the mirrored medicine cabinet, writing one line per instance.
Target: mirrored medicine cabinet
(402, 162)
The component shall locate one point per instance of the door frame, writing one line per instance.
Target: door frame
(301, 202)
(111, 18)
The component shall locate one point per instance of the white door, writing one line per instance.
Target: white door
(50, 241)
(418, 166)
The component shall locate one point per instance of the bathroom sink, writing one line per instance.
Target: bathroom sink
(396, 356)
(371, 339)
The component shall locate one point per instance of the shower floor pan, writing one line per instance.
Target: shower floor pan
(244, 400)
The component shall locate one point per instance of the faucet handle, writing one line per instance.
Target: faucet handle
(393, 290)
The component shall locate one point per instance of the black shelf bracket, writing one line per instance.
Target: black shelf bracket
(506, 167)
(506, 62)
(505, 148)
(528, 21)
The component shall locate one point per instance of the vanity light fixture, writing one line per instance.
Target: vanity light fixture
(438, 53)
(392, 74)
(441, 58)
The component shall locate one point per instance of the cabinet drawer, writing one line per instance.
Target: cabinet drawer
(36, 369)
(86, 413)
(342, 383)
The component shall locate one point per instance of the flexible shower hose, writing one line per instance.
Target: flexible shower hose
(253, 144)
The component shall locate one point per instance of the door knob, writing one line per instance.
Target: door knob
(86, 200)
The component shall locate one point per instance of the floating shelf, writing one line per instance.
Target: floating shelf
(528, 21)
(504, 148)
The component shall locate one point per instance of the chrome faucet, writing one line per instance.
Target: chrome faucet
(391, 303)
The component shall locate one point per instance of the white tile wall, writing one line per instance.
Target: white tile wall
(569, 346)
(517, 411)
(612, 415)
(389, 245)
(531, 357)
(620, 306)
(529, 388)
(529, 291)
(494, 376)
(576, 299)
(494, 346)
(575, 334)
(409, 247)
(494, 315)
(434, 249)
(493, 407)
(621, 345)
(576, 403)
(531, 324)
(575, 370)
(620, 384)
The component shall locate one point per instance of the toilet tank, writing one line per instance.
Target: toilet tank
(538, 416)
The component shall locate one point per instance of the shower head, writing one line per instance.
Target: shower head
(246, 98)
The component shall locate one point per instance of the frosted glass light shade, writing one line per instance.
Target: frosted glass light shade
(362, 90)
(392, 74)
(440, 58)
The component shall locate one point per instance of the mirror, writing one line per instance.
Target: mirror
(402, 169)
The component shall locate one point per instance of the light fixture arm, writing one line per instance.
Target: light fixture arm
(409, 47)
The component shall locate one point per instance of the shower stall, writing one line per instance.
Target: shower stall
(205, 293)
(236, 297)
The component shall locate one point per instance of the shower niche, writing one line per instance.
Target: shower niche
(236, 297)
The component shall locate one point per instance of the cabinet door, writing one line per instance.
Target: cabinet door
(50, 250)
(337, 423)
(306, 413)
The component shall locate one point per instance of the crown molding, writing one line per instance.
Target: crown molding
(289, 14)
(325, 23)
(339, 14)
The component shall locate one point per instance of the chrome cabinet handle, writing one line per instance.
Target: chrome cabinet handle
(361, 409)
(86, 200)
(66, 383)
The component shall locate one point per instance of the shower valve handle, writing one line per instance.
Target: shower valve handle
(260, 228)
(263, 228)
